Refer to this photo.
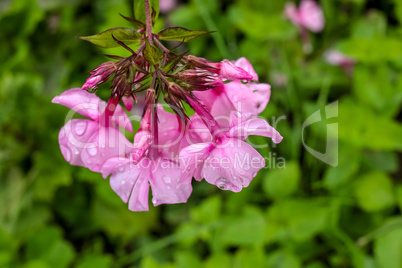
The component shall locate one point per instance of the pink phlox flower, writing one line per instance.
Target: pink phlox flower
(227, 161)
(89, 142)
(309, 15)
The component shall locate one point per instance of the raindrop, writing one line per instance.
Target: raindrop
(121, 169)
(166, 179)
(246, 167)
(76, 151)
(93, 151)
(154, 201)
(221, 183)
(235, 98)
(237, 114)
(80, 127)
(254, 174)
(123, 182)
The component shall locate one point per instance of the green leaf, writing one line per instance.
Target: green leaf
(388, 248)
(150, 54)
(374, 191)
(361, 127)
(299, 219)
(282, 182)
(105, 39)
(258, 25)
(99, 261)
(139, 10)
(245, 230)
(282, 259)
(180, 34)
(367, 50)
(134, 21)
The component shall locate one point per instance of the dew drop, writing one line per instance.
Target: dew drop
(246, 167)
(235, 98)
(154, 201)
(121, 169)
(166, 179)
(254, 174)
(123, 182)
(80, 127)
(93, 151)
(221, 183)
(237, 114)
(76, 151)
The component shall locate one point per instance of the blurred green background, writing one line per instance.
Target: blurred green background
(308, 214)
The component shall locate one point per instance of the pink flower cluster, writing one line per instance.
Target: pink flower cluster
(169, 150)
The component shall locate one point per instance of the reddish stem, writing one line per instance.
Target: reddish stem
(148, 22)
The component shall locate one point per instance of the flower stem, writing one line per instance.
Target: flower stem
(148, 22)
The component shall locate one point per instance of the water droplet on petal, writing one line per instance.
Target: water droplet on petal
(66, 153)
(237, 114)
(123, 182)
(166, 179)
(154, 201)
(246, 167)
(254, 174)
(93, 151)
(235, 98)
(80, 127)
(76, 151)
(121, 169)
(221, 183)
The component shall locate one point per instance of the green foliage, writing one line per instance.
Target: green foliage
(296, 213)
(107, 39)
(179, 34)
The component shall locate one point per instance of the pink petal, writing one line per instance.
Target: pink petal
(73, 137)
(80, 101)
(232, 167)
(124, 175)
(231, 72)
(128, 102)
(170, 184)
(104, 144)
(248, 98)
(246, 65)
(140, 193)
(121, 119)
(171, 131)
(142, 142)
(311, 16)
(254, 126)
(193, 156)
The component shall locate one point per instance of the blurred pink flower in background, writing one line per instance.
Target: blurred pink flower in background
(167, 5)
(336, 58)
(309, 15)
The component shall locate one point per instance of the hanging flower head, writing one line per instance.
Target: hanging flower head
(170, 148)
